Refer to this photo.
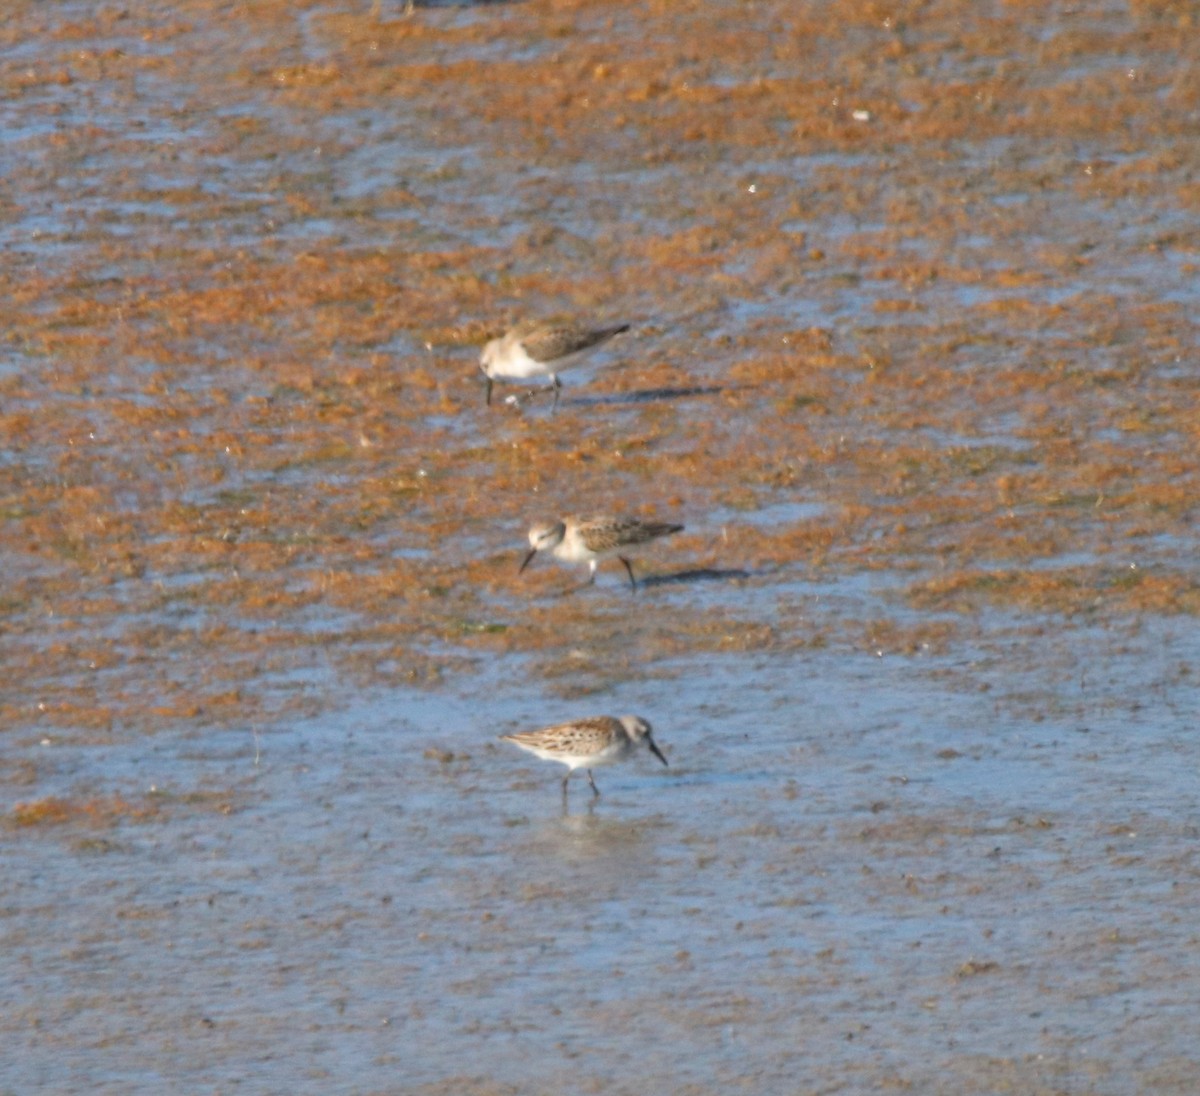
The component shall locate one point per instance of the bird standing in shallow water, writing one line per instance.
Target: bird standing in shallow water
(541, 350)
(589, 540)
(588, 743)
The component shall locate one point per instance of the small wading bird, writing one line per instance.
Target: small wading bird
(541, 350)
(589, 540)
(587, 743)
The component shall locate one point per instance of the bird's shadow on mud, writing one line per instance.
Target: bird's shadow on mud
(696, 574)
(617, 399)
(646, 395)
(407, 8)
(677, 578)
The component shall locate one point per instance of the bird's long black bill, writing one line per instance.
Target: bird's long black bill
(656, 751)
(526, 561)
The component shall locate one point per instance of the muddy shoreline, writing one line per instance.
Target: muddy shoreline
(912, 357)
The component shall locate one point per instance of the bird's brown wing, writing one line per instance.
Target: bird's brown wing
(547, 344)
(606, 534)
(580, 736)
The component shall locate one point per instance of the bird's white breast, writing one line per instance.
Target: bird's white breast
(508, 359)
(571, 548)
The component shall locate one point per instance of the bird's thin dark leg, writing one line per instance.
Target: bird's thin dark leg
(565, 787)
(489, 391)
(595, 790)
(629, 569)
(557, 389)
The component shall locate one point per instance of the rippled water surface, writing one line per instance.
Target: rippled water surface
(912, 357)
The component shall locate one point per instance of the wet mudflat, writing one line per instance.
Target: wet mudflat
(913, 357)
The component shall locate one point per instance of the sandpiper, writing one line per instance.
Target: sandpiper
(587, 743)
(589, 540)
(541, 350)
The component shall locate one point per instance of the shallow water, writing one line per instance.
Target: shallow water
(850, 857)
(922, 662)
